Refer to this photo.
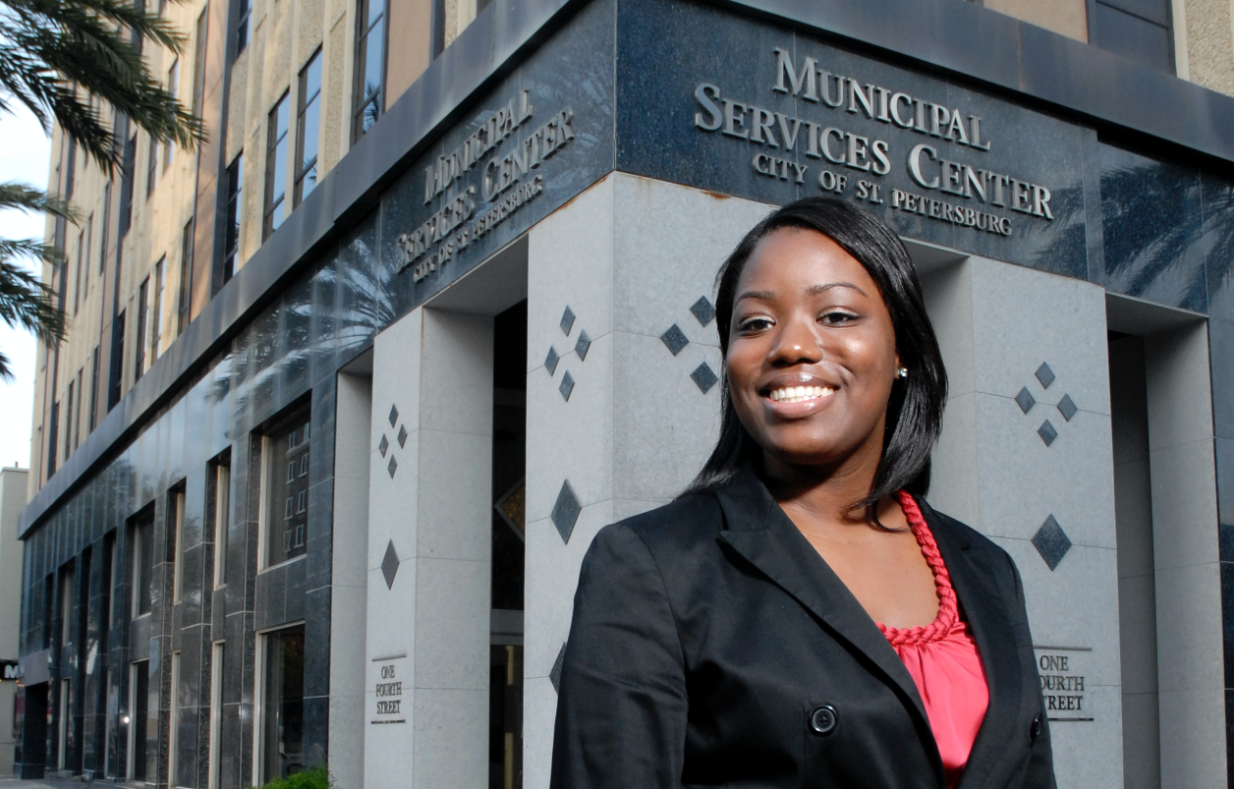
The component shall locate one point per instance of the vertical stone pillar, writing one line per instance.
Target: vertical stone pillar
(429, 553)
(1026, 458)
(622, 395)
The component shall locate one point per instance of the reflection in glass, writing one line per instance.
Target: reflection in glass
(307, 129)
(369, 70)
(287, 503)
(282, 734)
(276, 164)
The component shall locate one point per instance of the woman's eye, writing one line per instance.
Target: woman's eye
(754, 325)
(835, 317)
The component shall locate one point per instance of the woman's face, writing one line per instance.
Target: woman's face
(812, 356)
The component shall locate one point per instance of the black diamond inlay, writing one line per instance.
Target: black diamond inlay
(383, 445)
(393, 415)
(550, 362)
(567, 320)
(1052, 543)
(1047, 433)
(402, 436)
(567, 385)
(1025, 400)
(1045, 375)
(703, 311)
(704, 377)
(554, 674)
(1067, 407)
(565, 511)
(389, 564)
(392, 467)
(675, 339)
(583, 344)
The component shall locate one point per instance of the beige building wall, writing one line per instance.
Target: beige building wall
(284, 36)
(1068, 17)
(12, 500)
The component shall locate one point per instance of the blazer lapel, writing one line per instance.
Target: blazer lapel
(985, 610)
(758, 529)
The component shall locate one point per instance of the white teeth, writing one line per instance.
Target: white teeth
(798, 394)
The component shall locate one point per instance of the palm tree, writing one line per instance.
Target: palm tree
(57, 58)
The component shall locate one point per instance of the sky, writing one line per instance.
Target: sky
(25, 152)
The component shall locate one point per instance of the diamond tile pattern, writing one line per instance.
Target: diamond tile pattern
(550, 362)
(1025, 400)
(392, 467)
(1067, 407)
(1051, 542)
(584, 343)
(402, 436)
(704, 377)
(1045, 375)
(1047, 433)
(567, 320)
(675, 339)
(703, 311)
(393, 415)
(383, 445)
(567, 386)
(389, 565)
(554, 674)
(565, 511)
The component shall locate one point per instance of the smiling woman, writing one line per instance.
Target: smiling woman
(801, 616)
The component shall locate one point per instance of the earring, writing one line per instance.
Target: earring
(902, 373)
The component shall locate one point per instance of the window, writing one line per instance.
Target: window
(286, 492)
(221, 480)
(173, 723)
(53, 438)
(199, 60)
(152, 167)
(141, 561)
(68, 428)
(370, 66)
(282, 704)
(81, 250)
(156, 310)
(243, 19)
(66, 605)
(70, 171)
(143, 310)
(276, 165)
(185, 298)
(115, 377)
(1138, 29)
(308, 125)
(129, 164)
(173, 87)
(83, 254)
(81, 397)
(106, 223)
(141, 762)
(94, 390)
(175, 517)
(231, 243)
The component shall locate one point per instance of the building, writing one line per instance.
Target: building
(12, 500)
(349, 390)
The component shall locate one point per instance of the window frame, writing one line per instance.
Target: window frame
(232, 217)
(360, 99)
(173, 87)
(304, 105)
(275, 143)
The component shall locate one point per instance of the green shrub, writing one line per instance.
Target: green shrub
(310, 777)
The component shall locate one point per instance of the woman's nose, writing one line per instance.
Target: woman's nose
(796, 342)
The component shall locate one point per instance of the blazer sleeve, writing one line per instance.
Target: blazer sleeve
(1040, 771)
(621, 706)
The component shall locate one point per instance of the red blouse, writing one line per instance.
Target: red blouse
(943, 660)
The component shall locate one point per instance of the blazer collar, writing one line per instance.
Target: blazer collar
(985, 611)
(757, 528)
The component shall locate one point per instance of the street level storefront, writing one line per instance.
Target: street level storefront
(342, 521)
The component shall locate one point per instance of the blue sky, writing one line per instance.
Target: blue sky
(24, 157)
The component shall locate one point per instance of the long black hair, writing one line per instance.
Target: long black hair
(915, 409)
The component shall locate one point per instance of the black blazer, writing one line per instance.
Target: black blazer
(707, 633)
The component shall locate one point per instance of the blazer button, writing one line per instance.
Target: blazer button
(1034, 729)
(823, 720)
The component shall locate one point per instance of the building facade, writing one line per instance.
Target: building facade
(349, 390)
(12, 500)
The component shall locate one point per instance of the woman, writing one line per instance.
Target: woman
(801, 616)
